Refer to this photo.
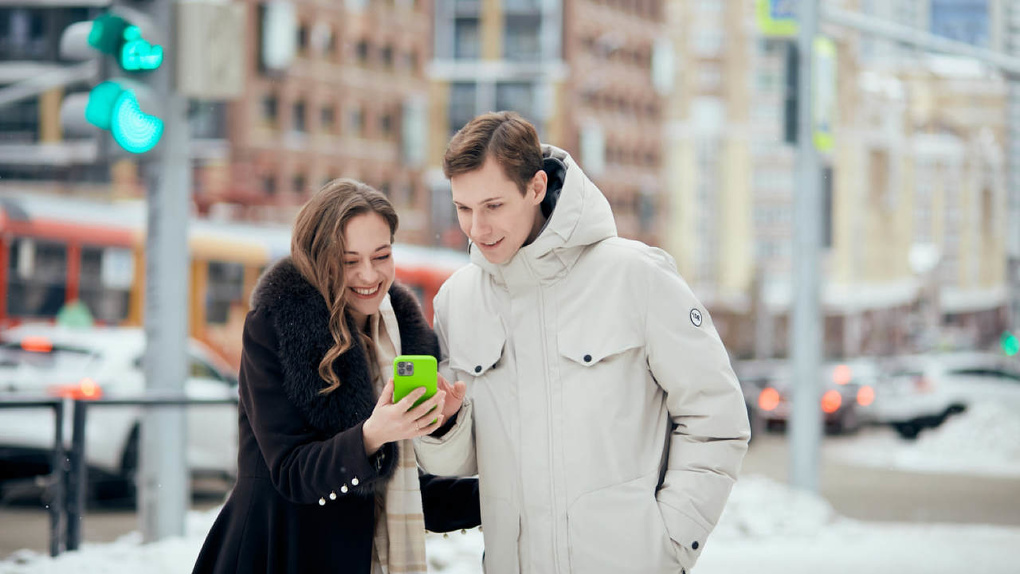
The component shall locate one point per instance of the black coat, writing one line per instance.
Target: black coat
(296, 447)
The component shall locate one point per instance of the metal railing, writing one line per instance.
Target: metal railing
(69, 469)
(58, 460)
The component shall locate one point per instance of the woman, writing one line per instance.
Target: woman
(327, 480)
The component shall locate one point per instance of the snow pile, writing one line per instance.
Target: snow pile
(760, 507)
(126, 555)
(983, 440)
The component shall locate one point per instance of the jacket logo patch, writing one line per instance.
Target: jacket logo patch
(696, 317)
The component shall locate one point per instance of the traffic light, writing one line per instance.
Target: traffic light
(1010, 344)
(122, 106)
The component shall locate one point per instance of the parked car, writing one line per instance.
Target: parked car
(922, 391)
(47, 360)
(847, 392)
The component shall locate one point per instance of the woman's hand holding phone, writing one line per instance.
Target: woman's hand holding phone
(391, 421)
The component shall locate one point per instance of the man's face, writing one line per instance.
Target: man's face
(494, 214)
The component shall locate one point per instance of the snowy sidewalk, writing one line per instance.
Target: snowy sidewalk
(766, 528)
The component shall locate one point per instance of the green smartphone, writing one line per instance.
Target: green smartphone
(413, 371)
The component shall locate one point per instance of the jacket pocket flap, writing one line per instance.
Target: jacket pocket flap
(589, 346)
(476, 350)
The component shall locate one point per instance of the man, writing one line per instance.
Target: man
(602, 416)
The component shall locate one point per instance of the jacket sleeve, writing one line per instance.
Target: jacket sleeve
(303, 467)
(710, 427)
(450, 503)
(453, 452)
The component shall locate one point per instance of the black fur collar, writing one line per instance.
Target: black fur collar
(301, 317)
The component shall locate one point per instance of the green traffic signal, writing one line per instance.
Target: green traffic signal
(137, 53)
(115, 36)
(113, 106)
(1010, 343)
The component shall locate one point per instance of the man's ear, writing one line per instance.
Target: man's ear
(537, 187)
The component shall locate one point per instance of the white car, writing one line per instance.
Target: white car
(919, 392)
(40, 360)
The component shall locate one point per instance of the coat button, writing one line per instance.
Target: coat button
(354, 481)
(587, 358)
(478, 369)
(694, 545)
(322, 502)
(343, 489)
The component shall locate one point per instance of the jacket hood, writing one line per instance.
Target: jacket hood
(580, 216)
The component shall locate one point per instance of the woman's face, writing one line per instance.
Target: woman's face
(368, 263)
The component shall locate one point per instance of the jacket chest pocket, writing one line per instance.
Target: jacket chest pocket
(476, 349)
(594, 356)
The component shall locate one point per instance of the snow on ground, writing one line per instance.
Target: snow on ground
(983, 440)
(766, 528)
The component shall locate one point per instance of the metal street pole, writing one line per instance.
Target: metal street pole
(1013, 171)
(164, 487)
(806, 334)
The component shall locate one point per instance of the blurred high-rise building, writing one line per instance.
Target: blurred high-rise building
(587, 73)
(913, 187)
(349, 102)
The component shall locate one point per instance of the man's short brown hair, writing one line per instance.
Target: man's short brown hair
(506, 136)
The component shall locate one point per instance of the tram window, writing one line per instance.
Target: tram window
(36, 278)
(106, 278)
(225, 289)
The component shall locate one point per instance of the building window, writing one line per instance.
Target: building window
(330, 48)
(302, 39)
(37, 278)
(19, 121)
(300, 183)
(269, 109)
(466, 40)
(387, 56)
(107, 274)
(355, 120)
(362, 51)
(225, 291)
(328, 118)
(520, 39)
(269, 184)
(298, 121)
(386, 124)
(462, 105)
(516, 96)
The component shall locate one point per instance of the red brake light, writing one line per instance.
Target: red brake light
(85, 389)
(768, 399)
(842, 374)
(831, 401)
(37, 344)
(865, 396)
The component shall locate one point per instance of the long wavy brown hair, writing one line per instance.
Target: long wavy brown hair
(317, 248)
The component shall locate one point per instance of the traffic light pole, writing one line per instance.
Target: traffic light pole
(806, 334)
(163, 484)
